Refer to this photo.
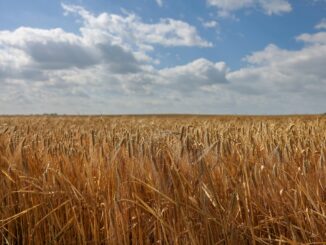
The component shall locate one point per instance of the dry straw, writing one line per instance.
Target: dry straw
(163, 180)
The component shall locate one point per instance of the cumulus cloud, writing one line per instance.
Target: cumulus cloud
(227, 7)
(130, 30)
(317, 38)
(108, 59)
(210, 24)
(56, 49)
(120, 42)
(279, 75)
(194, 75)
(108, 49)
(321, 24)
(275, 6)
(159, 2)
(108, 68)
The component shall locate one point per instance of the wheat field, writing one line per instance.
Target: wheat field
(163, 180)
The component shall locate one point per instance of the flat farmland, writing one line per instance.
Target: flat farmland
(163, 179)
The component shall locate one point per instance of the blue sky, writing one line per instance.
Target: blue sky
(163, 56)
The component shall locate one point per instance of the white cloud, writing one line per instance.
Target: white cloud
(108, 43)
(231, 5)
(321, 24)
(108, 68)
(193, 76)
(295, 78)
(227, 7)
(317, 38)
(275, 6)
(130, 30)
(210, 24)
(110, 56)
(159, 2)
(57, 49)
(169, 32)
(270, 53)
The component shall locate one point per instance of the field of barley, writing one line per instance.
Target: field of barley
(163, 180)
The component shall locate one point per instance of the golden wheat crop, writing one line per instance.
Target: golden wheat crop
(163, 180)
